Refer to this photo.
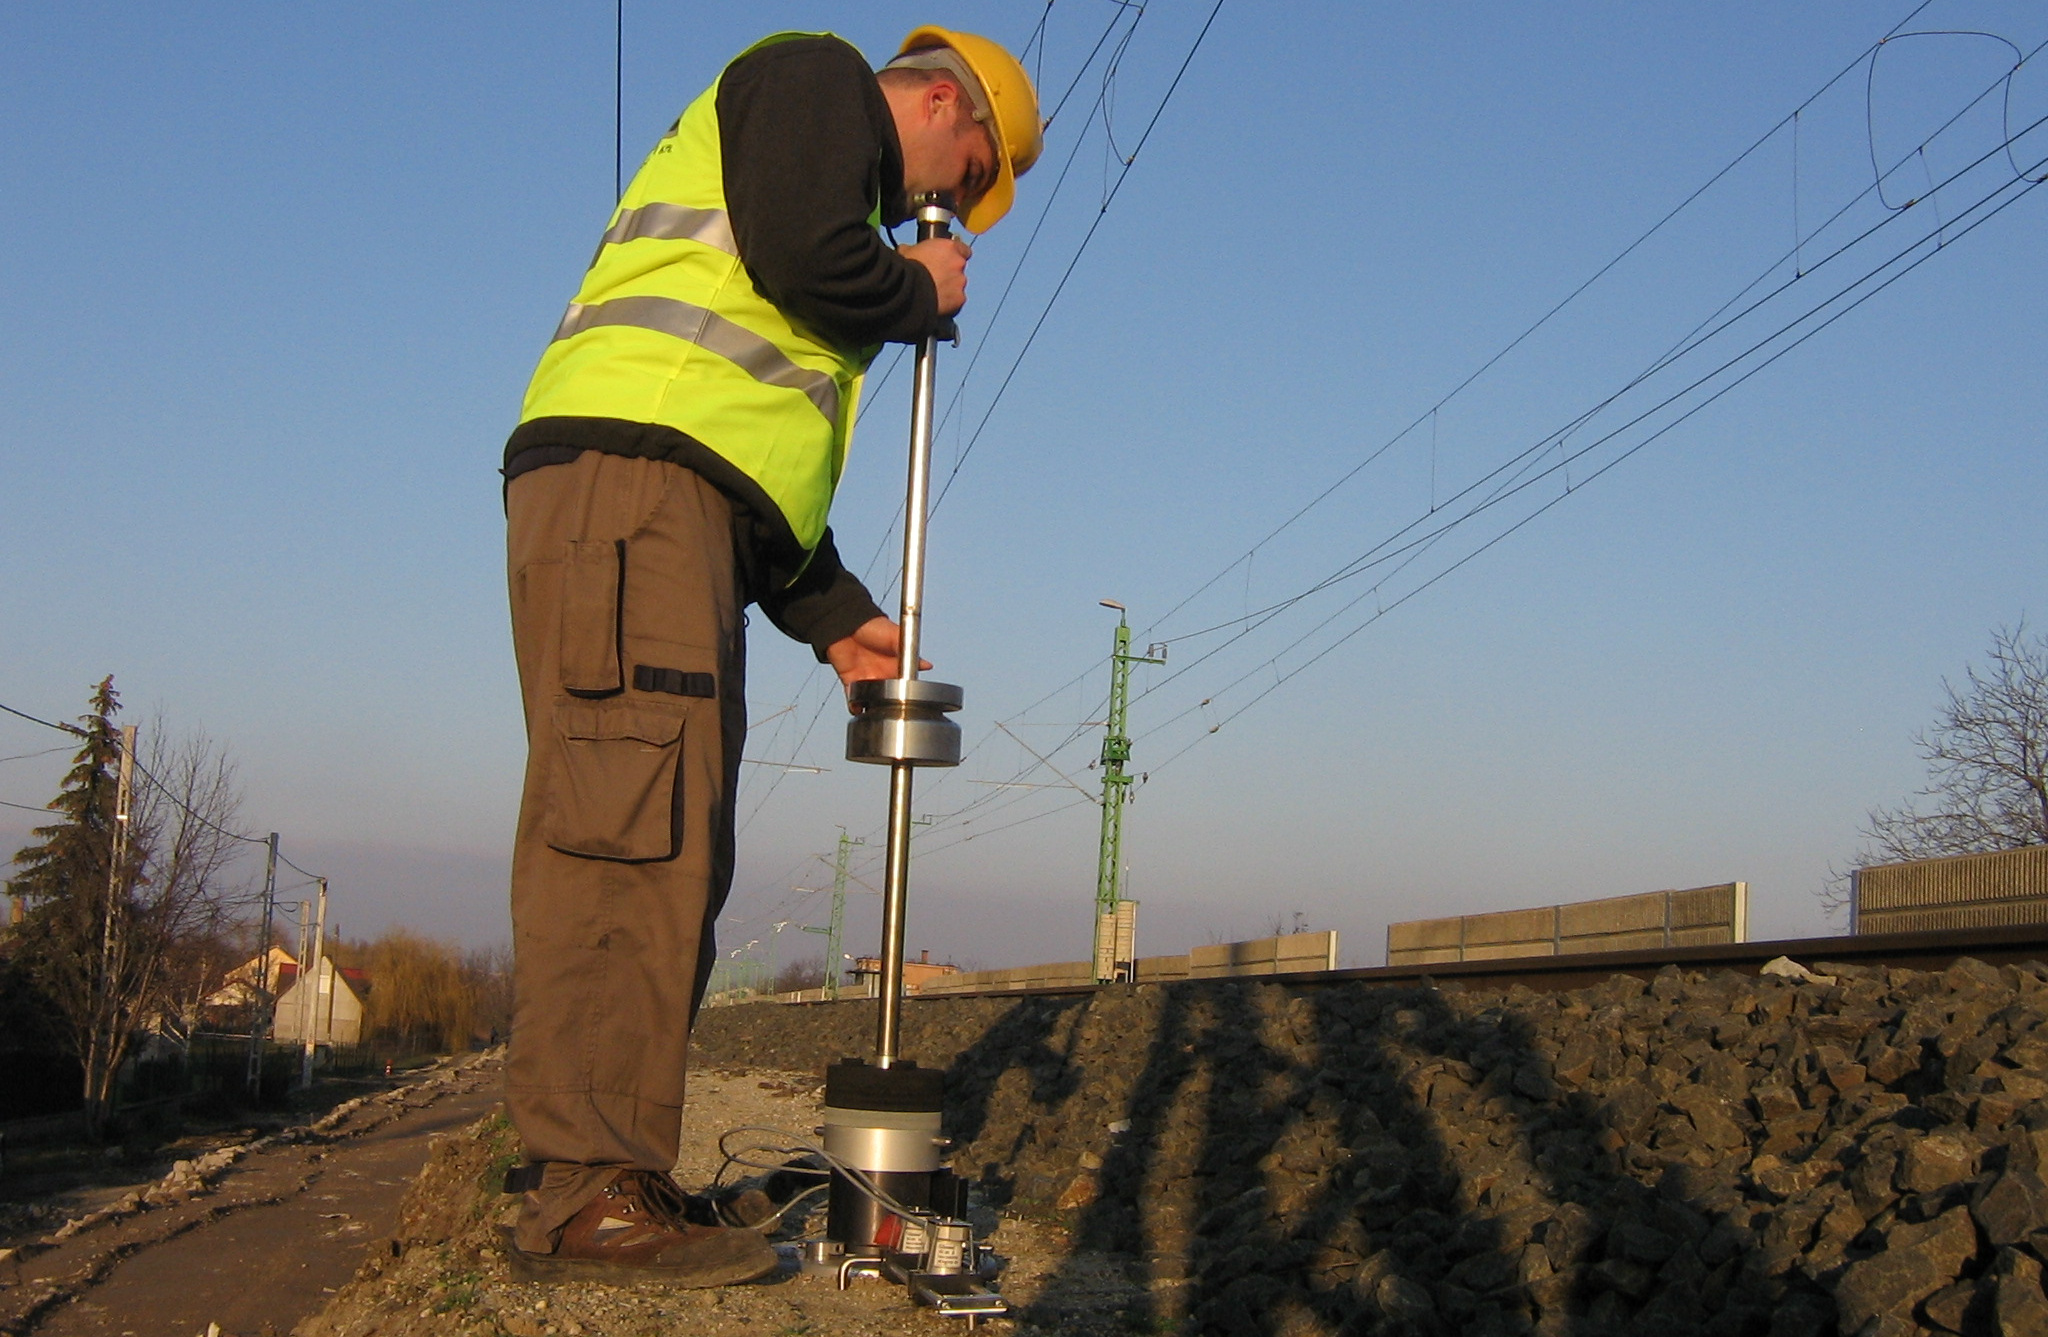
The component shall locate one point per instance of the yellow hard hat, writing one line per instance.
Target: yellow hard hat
(1012, 115)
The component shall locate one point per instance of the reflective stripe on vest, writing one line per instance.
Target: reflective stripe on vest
(668, 329)
(675, 222)
(712, 332)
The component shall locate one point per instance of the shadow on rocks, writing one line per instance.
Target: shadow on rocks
(1023, 1062)
(1714, 1155)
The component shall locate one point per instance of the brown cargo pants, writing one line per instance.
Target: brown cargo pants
(626, 621)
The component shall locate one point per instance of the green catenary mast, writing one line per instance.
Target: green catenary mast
(835, 928)
(1116, 785)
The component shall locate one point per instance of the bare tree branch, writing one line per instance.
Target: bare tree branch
(1987, 766)
(116, 946)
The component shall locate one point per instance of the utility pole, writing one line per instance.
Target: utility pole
(105, 1005)
(835, 928)
(259, 1017)
(311, 983)
(1116, 786)
(117, 860)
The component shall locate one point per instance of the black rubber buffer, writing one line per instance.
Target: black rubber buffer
(852, 1084)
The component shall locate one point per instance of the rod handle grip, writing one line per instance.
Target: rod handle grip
(934, 215)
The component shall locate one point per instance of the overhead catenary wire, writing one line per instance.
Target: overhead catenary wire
(1696, 338)
(1254, 618)
(1508, 484)
(618, 99)
(47, 724)
(177, 800)
(1037, 40)
(1127, 164)
(1870, 95)
(1067, 275)
(1524, 471)
(1136, 11)
(1642, 239)
(982, 343)
(2027, 185)
(1853, 293)
(44, 752)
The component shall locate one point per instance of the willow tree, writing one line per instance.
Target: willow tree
(422, 998)
(105, 917)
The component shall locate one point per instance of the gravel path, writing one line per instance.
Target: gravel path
(252, 1238)
(444, 1272)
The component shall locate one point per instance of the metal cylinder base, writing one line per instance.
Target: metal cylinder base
(904, 720)
(883, 1122)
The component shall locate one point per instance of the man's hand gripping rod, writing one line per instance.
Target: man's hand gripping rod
(902, 722)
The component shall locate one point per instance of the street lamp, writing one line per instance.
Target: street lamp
(775, 952)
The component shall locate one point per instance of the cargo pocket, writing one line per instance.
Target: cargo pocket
(593, 582)
(614, 789)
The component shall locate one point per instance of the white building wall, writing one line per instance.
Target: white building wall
(339, 1017)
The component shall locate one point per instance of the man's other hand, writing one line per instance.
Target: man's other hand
(945, 258)
(873, 651)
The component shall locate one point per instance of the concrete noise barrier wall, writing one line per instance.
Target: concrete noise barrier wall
(1695, 917)
(1967, 891)
(1016, 977)
(1287, 954)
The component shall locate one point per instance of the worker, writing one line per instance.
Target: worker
(674, 462)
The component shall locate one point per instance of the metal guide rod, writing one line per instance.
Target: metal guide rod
(934, 220)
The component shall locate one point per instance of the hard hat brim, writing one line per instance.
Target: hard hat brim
(987, 211)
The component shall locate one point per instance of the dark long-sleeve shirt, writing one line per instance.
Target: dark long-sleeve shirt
(809, 150)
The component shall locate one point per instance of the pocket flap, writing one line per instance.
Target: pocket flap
(592, 583)
(614, 782)
(592, 723)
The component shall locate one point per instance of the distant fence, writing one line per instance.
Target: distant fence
(864, 988)
(218, 1062)
(1287, 954)
(1261, 956)
(43, 1128)
(1967, 891)
(1695, 917)
(208, 1063)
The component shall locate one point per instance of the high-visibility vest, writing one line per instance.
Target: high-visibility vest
(667, 328)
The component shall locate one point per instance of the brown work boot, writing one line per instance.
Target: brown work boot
(635, 1232)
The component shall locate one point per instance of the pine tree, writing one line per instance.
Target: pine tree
(73, 900)
(107, 946)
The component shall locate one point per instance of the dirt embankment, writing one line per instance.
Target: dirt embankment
(443, 1274)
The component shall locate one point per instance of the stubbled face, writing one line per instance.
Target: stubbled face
(944, 148)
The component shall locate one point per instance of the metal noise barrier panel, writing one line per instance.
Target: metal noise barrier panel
(2009, 887)
(1695, 917)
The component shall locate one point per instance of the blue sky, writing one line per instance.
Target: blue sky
(276, 278)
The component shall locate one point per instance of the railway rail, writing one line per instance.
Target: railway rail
(2003, 945)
